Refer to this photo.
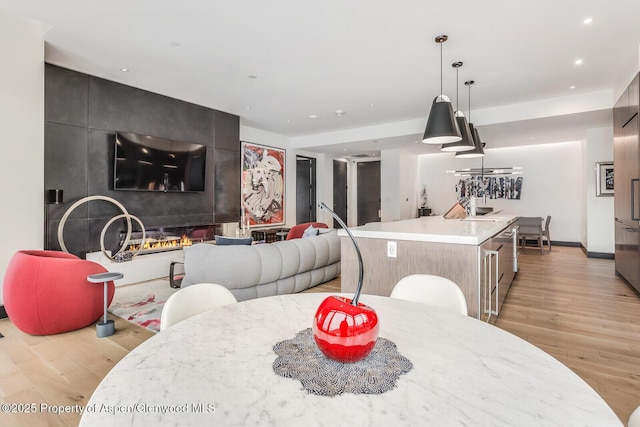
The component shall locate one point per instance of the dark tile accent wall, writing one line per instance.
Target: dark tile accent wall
(227, 185)
(82, 114)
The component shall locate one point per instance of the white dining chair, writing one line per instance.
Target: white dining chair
(634, 419)
(431, 290)
(192, 300)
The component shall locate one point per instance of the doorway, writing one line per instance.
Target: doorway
(305, 189)
(340, 191)
(368, 196)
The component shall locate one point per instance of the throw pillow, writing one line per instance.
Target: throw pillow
(310, 231)
(225, 241)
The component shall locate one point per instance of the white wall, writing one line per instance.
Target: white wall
(398, 175)
(551, 185)
(22, 125)
(599, 225)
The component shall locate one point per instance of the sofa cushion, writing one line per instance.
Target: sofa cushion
(270, 263)
(290, 258)
(307, 253)
(322, 252)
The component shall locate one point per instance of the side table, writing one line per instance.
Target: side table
(106, 327)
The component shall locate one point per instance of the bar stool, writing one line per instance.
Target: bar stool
(106, 327)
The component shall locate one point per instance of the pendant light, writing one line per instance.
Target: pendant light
(477, 151)
(441, 125)
(466, 143)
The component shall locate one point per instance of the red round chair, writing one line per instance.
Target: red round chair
(47, 292)
(297, 231)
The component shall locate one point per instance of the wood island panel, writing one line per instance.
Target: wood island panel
(459, 263)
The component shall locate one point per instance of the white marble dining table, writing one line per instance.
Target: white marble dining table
(216, 369)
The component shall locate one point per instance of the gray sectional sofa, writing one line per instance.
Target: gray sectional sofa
(265, 269)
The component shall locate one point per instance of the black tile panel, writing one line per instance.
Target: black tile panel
(65, 166)
(116, 107)
(65, 96)
(227, 135)
(227, 185)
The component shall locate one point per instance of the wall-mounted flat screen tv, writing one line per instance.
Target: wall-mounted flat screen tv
(148, 163)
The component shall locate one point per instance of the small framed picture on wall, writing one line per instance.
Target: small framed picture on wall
(604, 179)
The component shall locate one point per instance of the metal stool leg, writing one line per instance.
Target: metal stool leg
(106, 327)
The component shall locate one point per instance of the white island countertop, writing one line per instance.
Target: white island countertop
(468, 231)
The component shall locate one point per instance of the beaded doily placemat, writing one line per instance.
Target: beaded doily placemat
(300, 358)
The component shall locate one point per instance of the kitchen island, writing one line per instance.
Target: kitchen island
(477, 253)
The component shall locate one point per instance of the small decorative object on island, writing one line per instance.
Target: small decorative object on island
(344, 329)
(423, 196)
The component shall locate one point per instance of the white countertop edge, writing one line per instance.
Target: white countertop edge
(416, 237)
(488, 229)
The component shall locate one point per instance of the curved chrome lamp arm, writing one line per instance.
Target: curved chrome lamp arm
(356, 297)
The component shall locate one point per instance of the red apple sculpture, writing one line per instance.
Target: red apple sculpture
(344, 329)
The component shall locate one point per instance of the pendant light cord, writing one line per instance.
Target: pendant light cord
(441, 68)
(457, 85)
(469, 102)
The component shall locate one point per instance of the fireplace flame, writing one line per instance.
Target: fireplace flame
(163, 244)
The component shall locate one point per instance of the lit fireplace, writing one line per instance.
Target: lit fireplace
(165, 243)
(169, 238)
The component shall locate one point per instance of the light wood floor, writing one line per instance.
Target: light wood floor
(577, 310)
(572, 307)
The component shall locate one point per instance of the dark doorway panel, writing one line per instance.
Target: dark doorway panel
(368, 192)
(340, 191)
(305, 189)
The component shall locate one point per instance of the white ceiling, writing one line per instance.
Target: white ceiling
(376, 59)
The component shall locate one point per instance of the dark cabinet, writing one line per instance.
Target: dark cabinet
(628, 253)
(627, 105)
(626, 153)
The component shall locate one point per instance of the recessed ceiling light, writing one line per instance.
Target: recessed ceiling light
(588, 21)
(248, 108)
(578, 61)
(372, 105)
(313, 116)
(124, 70)
(340, 113)
(288, 121)
(572, 87)
(252, 76)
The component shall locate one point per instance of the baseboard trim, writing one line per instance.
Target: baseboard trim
(570, 244)
(600, 255)
(3, 312)
(554, 243)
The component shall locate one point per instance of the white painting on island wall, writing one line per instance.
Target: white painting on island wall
(503, 187)
(263, 177)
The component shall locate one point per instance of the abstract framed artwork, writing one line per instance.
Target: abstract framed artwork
(262, 181)
(492, 187)
(604, 179)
